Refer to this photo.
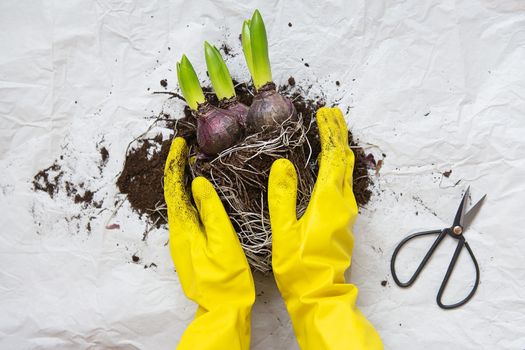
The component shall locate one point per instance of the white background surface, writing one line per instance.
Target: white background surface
(460, 62)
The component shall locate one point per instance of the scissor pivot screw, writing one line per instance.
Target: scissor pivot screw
(457, 230)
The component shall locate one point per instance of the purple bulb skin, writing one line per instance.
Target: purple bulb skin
(217, 129)
(239, 109)
(269, 110)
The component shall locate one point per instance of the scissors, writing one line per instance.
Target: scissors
(461, 221)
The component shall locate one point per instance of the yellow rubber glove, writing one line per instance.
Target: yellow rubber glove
(310, 255)
(210, 262)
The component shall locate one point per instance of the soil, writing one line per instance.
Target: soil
(104, 155)
(141, 178)
(53, 180)
(48, 179)
(142, 175)
(227, 50)
(164, 83)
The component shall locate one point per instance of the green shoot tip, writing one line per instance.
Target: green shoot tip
(220, 77)
(189, 83)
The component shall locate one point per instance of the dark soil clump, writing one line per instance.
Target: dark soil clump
(48, 179)
(143, 173)
(86, 198)
(104, 155)
(227, 50)
(141, 178)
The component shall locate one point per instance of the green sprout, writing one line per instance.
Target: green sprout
(247, 45)
(220, 77)
(189, 83)
(255, 47)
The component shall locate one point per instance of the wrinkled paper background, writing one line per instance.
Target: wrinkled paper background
(434, 85)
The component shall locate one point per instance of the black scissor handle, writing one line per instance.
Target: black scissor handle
(461, 242)
(441, 234)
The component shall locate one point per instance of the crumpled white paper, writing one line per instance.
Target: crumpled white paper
(432, 85)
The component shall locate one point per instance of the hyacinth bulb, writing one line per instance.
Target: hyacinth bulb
(269, 110)
(217, 129)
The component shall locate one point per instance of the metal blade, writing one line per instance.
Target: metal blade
(471, 214)
(458, 220)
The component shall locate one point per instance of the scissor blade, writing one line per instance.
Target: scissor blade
(458, 220)
(471, 214)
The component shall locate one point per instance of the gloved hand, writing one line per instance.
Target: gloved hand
(210, 262)
(310, 255)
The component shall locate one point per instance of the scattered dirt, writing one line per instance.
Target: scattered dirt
(164, 83)
(54, 179)
(384, 283)
(86, 198)
(289, 24)
(227, 50)
(104, 155)
(447, 173)
(291, 81)
(48, 179)
(135, 258)
(424, 205)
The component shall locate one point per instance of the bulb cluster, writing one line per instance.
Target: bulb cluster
(220, 128)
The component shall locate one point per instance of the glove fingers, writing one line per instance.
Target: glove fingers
(343, 126)
(181, 214)
(282, 195)
(217, 225)
(348, 192)
(332, 134)
(348, 187)
(349, 158)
